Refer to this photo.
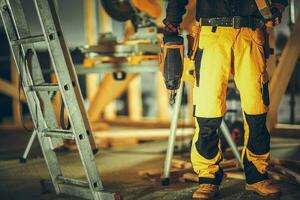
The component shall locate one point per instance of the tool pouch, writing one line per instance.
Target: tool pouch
(267, 48)
(193, 42)
(171, 64)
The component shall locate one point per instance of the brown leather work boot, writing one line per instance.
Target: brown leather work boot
(264, 188)
(206, 192)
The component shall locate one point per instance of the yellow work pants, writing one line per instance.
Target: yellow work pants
(222, 52)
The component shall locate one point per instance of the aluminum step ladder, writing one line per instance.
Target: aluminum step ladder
(38, 95)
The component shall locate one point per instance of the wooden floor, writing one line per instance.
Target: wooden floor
(119, 170)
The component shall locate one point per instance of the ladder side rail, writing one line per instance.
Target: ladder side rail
(35, 75)
(32, 98)
(63, 67)
(55, 23)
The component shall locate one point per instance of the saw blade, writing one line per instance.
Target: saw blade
(120, 10)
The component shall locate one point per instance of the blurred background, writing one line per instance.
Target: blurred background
(115, 54)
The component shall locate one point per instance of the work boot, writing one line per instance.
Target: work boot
(206, 192)
(264, 188)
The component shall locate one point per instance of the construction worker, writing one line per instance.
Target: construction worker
(232, 41)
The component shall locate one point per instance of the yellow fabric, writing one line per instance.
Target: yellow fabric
(226, 51)
(239, 51)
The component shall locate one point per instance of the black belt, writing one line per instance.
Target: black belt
(234, 22)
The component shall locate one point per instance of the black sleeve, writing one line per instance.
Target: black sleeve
(175, 11)
(283, 2)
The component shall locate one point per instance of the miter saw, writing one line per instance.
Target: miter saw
(142, 45)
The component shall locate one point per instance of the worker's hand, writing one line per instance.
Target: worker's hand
(171, 58)
(171, 34)
(277, 10)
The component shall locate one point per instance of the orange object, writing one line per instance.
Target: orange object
(151, 7)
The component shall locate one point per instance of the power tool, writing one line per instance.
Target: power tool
(171, 65)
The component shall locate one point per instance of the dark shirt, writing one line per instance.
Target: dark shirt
(214, 8)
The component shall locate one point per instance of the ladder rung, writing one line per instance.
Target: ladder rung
(27, 40)
(58, 133)
(44, 87)
(72, 181)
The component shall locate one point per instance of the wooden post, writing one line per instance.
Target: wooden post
(163, 112)
(90, 26)
(105, 27)
(135, 104)
(283, 72)
(108, 90)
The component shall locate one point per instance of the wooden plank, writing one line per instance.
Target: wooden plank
(142, 134)
(5, 126)
(288, 172)
(108, 90)
(11, 90)
(135, 104)
(286, 131)
(146, 123)
(235, 175)
(16, 105)
(283, 73)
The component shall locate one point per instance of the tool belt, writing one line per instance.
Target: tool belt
(234, 22)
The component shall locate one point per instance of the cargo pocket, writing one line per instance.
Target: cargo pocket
(198, 58)
(265, 89)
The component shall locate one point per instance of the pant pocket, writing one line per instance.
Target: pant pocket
(265, 93)
(265, 88)
(198, 58)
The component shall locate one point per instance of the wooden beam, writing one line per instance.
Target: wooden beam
(108, 90)
(110, 111)
(283, 73)
(142, 134)
(147, 123)
(135, 104)
(16, 105)
(11, 90)
(286, 131)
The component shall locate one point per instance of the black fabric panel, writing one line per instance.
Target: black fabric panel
(265, 94)
(259, 137)
(208, 138)
(251, 173)
(215, 181)
(198, 58)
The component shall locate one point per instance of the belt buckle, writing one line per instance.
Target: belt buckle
(235, 22)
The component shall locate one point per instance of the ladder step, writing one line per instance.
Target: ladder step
(58, 133)
(72, 181)
(44, 87)
(28, 40)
